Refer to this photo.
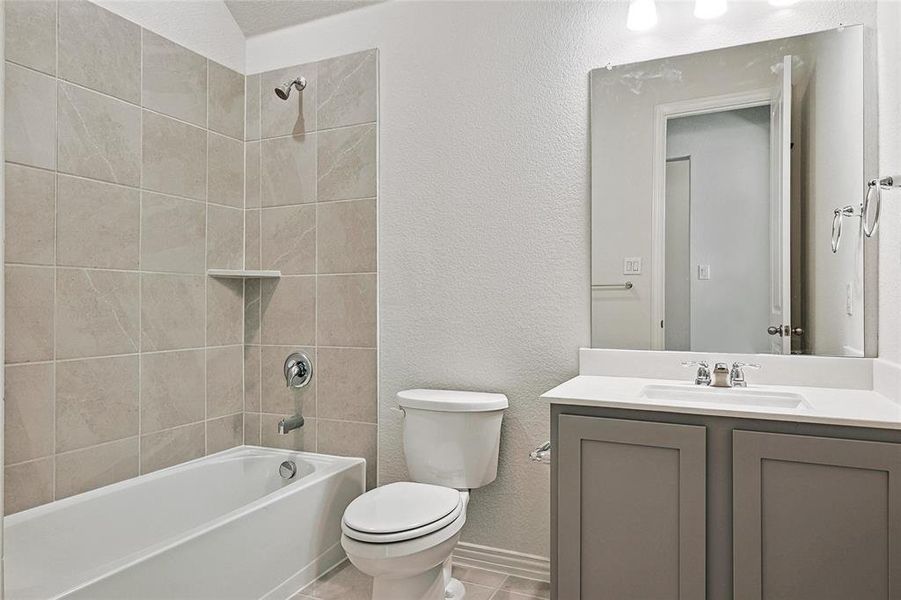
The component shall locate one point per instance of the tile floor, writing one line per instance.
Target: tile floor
(346, 583)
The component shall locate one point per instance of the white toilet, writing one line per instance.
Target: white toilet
(403, 534)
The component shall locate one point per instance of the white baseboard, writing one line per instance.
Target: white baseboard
(507, 562)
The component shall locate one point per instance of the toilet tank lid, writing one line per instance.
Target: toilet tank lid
(451, 400)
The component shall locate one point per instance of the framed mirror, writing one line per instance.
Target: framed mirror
(727, 209)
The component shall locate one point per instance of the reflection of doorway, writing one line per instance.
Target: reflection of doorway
(717, 213)
(678, 253)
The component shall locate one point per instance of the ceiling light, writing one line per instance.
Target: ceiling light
(642, 15)
(782, 3)
(709, 9)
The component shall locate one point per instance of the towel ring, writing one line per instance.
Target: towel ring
(838, 217)
(873, 196)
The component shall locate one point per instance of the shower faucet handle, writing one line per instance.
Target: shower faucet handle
(298, 370)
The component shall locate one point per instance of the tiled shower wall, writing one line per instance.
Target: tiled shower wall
(312, 214)
(124, 183)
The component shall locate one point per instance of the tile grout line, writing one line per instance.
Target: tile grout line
(206, 283)
(141, 276)
(55, 253)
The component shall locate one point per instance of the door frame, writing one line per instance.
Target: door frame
(662, 113)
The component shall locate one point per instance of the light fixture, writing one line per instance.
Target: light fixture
(642, 15)
(782, 3)
(709, 9)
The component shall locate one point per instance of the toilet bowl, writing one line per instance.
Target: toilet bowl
(403, 534)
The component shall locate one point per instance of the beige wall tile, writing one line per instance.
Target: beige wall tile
(96, 313)
(347, 163)
(172, 446)
(94, 467)
(31, 33)
(173, 234)
(347, 384)
(288, 311)
(30, 215)
(252, 429)
(224, 381)
(99, 224)
(99, 50)
(99, 136)
(297, 114)
(223, 310)
(252, 390)
(174, 157)
(252, 311)
(172, 389)
(278, 397)
(347, 310)
(174, 80)
(226, 101)
(347, 236)
(226, 171)
(252, 242)
(225, 237)
(172, 311)
(27, 485)
(28, 412)
(289, 239)
(96, 401)
(300, 439)
(224, 433)
(29, 314)
(343, 438)
(252, 112)
(288, 170)
(347, 90)
(30, 118)
(252, 175)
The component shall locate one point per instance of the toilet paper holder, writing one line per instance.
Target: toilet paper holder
(541, 454)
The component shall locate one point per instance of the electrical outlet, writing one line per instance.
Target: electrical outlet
(632, 265)
(703, 272)
(849, 299)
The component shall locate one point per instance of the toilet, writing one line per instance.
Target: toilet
(403, 534)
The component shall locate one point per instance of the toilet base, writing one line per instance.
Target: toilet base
(434, 584)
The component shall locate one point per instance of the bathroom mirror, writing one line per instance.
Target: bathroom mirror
(721, 184)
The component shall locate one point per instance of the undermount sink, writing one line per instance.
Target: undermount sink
(731, 396)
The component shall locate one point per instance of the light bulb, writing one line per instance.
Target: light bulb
(709, 9)
(642, 15)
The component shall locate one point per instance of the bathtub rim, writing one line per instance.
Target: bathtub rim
(340, 463)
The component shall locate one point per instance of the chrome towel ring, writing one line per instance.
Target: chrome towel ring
(872, 204)
(838, 217)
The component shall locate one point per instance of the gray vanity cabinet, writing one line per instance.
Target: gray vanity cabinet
(813, 518)
(631, 512)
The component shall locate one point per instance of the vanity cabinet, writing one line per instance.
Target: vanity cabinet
(813, 517)
(633, 513)
(656, 506)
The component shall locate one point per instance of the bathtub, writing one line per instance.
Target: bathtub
(223, 526)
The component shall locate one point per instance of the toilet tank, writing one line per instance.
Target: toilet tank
(452, 438)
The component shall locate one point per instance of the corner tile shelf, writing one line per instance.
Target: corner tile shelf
(243, 274)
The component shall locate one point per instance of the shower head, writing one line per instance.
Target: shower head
(284, 90)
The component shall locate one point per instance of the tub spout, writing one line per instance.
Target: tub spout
(289, 424)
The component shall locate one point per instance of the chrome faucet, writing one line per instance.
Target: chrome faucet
(703, 375)
(289, 424)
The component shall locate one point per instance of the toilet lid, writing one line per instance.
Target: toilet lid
(401, 506)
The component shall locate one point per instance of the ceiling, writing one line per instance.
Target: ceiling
(260, 16)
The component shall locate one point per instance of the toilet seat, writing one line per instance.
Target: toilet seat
(401, 511)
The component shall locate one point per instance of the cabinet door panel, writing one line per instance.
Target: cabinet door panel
(815, 518)
(631, 510)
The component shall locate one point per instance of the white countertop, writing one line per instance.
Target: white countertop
(833, 406)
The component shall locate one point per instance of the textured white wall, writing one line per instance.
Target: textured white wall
(484, 195)
(889, 44)
(204, 26)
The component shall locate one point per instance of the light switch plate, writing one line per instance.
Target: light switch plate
(632, 265)
(703, 272)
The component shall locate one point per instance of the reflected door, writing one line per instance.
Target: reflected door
(780, 229)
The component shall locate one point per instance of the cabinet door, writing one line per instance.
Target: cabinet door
(631, 510)
(815, 518)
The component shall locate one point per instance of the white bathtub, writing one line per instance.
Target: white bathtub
(223, 526)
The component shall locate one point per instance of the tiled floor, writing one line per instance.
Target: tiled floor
(346, 583)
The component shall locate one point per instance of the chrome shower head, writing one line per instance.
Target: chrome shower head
(284, 90)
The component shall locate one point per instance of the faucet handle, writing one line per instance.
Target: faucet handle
(737, 374)
(696, 363)
(703, 376)
(741, 365)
